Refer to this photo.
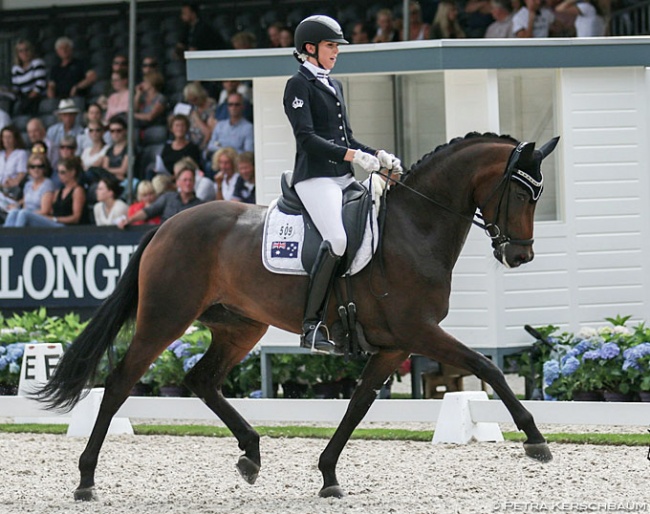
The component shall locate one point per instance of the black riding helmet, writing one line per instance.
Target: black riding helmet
(315, 29)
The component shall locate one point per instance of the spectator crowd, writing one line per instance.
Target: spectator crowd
(63, 125)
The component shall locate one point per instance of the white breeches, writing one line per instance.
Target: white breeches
(323, 199)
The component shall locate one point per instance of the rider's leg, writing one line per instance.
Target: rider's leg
(322, 198)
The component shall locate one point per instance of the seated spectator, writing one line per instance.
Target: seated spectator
(502, 25)
(36, 133)
(28, 79)
(361, 33)
(67, 150)
(94, 154)
(589, 21)
(118, 101)
(163, 184)
(386, 30)
(445, 24)
(69, 203)
(109, 209)
(180, 146)
(418, 30)
(149, 65)
(170, 203)
(243, 40)
(205, 189)
(94, 113)
(245, 186)
(68, 126)
(38, 192)
(120, 64)
(475, 18)
(273, 34)
(532, 20)
(70, 77)
(150, 104)
(202, 115)
(145, 195)
(13, 161)
(39, 147)
(229, 87)
(236, 132)
(224, 163)
(286, 38)
(116, 159)
(198, 33)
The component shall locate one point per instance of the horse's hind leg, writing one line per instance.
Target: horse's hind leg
(377, 370)
(118, 385)
(451, 351)
(230, 344)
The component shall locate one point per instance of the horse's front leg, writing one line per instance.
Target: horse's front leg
(443, 347)
(377, 370)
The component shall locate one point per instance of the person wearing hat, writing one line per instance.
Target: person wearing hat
(325, 151)
(68, 126)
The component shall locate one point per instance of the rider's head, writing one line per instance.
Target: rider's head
(313, 30)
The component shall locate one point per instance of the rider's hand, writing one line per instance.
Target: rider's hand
(389, 161)
(368, 162)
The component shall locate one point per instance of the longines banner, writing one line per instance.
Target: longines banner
(69, 267)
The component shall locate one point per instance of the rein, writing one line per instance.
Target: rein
(492, 230)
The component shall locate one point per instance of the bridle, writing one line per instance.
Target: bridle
(498, 236)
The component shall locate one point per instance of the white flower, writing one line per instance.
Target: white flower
(622, 330)
(191, 329)
(605, 331)
(587, 333)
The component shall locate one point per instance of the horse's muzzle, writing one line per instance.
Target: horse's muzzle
(513, 255)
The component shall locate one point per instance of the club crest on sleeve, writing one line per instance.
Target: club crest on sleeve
(297, 103)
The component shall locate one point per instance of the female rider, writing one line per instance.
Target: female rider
(325, 149)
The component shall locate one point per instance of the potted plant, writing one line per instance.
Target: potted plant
(10, 360)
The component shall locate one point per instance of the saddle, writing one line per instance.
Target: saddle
(356, 206)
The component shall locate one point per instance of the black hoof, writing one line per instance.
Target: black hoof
(333, 491)
(248, 469)
(538, 451)
(86, 494)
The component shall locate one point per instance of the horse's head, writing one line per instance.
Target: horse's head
(507, 202)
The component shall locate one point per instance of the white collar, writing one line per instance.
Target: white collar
(316, 70)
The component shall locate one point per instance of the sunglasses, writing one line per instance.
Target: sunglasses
(63, 172)
(36, 166)
(112, 131)
(94, 130)
(67, 147)
(38, 149)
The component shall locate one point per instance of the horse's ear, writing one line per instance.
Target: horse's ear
(548, 147)
(526, 153)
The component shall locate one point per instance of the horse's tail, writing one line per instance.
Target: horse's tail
(78, 365)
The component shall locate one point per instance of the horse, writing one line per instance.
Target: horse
(205, 263)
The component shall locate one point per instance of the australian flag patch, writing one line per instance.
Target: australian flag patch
(284, 249)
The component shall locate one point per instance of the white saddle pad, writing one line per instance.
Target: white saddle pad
(284, 236)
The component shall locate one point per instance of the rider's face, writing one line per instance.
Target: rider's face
(327, 52)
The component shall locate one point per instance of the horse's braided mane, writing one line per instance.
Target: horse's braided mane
(456, 140)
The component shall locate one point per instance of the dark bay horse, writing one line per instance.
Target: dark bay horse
(205, 263)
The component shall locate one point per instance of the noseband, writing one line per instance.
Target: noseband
(499, 237)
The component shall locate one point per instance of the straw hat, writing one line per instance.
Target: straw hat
(67, 106)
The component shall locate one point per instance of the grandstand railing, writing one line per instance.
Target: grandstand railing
(631, 21)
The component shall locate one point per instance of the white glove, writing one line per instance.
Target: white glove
(366, 161)
(389, 161)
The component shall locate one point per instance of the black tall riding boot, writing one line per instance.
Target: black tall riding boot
(314, 332)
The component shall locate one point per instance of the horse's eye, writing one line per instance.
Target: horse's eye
(521, 196)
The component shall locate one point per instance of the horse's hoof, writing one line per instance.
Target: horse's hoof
(333, 491)
(248, 469)
(87, 494)
(538, 451)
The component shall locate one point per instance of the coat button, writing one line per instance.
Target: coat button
(340, 127)
(338, 104)
(342, 139)
(340, 115)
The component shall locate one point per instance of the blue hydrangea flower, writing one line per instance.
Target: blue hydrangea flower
(15, 351)
(551, 371)
(189, 363)
(4, 362)
(609, 351)
(570, 366)
(14, 368)
(583, 346)
(173, 346)
(632, 356)
(591, 355)
(182, 350)
(3, 350)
